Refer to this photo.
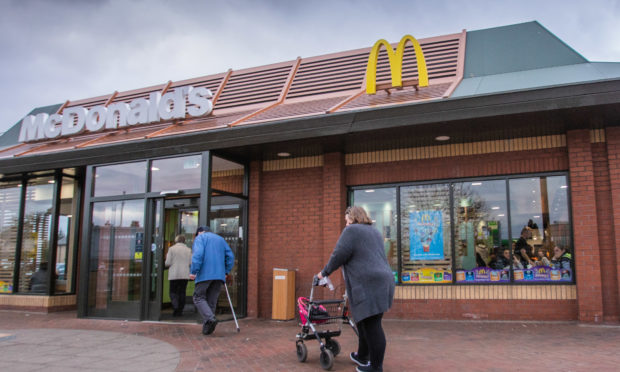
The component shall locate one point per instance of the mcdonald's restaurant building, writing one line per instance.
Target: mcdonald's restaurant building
(489, 160)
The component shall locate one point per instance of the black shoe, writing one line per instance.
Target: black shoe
(206, 326)
(367, 368)
(209, 326)
(357, 360)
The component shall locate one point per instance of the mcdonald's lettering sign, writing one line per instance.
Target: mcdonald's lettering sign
(396, 64)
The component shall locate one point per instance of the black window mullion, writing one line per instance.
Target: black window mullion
(51, 251)
(507, 180)
(453, 226)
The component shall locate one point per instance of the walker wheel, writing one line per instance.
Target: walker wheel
(333, 346)
(302, 351)
(327, 359)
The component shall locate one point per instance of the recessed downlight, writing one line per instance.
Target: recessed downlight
(284, 154)
(442, 138)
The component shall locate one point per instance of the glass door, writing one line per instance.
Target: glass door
(227, 220)
(155, 258)
(116, 259)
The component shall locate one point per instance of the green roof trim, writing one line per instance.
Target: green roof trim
(11, 136)
(520, 47)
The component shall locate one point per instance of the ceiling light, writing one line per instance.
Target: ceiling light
(50, 181)
(154, 168)
(442, 138)
(500, 215)
(476, 183)
(494, 207)
(563, 187)
(369, 190)
(284, 154)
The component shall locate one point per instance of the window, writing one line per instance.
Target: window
(65, 257)
(10, 193)
(488, 230)
(176, 173)
(120, 179)
(381, 207)
(425, 229)
(481, 229)
(36, 236)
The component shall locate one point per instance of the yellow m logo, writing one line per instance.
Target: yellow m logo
(396, 64)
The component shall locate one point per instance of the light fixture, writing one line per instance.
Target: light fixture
(442, 138)
(223, 224)
(563, 187)
(494, 207)
(284, 154)
(476, 183)
(500, 215)
(50, 181)
(369, 190)
(154, 168)
(536, 216)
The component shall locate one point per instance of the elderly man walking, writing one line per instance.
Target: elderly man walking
(212, 260)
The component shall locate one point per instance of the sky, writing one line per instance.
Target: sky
(58, 50)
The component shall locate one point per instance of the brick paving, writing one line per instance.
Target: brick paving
(265, 345)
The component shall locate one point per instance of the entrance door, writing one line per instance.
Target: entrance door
(227, 220)
(168, 218)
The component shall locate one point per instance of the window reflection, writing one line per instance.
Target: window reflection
(226, 175)
(380, 204)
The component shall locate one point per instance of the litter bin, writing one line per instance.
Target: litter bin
(283, 305)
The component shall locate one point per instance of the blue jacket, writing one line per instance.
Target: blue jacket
(212, 258)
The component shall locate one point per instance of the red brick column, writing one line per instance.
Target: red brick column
(585, 226)
(334, 204)
(253, 283)
(612, 136)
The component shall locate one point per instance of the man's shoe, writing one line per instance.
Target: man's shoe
(357, 360)
(212, 323)
(206, 326)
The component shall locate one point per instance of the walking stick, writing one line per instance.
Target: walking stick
(231, 307)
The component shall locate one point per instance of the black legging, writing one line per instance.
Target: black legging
(371, 341)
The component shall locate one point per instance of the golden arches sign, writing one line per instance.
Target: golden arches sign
(396, 64)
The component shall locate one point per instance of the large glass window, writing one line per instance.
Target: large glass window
(425, 229)
(540, 229)
(381, 207)
(488, 230)
(120, 179)
(481, 231)
(36, 236)
(176, 173)
(10, 193)
(116, 252)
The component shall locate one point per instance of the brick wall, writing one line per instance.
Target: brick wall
(290, 231)
(606, 232)
(585, 226)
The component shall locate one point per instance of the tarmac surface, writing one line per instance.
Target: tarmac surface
(62, 342)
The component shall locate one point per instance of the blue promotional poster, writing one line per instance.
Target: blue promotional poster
(426, 235)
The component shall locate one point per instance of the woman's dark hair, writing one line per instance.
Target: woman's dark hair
(202, 229)
(358, 215)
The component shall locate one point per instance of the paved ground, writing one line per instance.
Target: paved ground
(60, 341)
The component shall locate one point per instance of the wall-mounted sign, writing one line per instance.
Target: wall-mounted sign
(396, 64)
(176, 104)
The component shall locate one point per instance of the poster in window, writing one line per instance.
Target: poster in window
(426, 235)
